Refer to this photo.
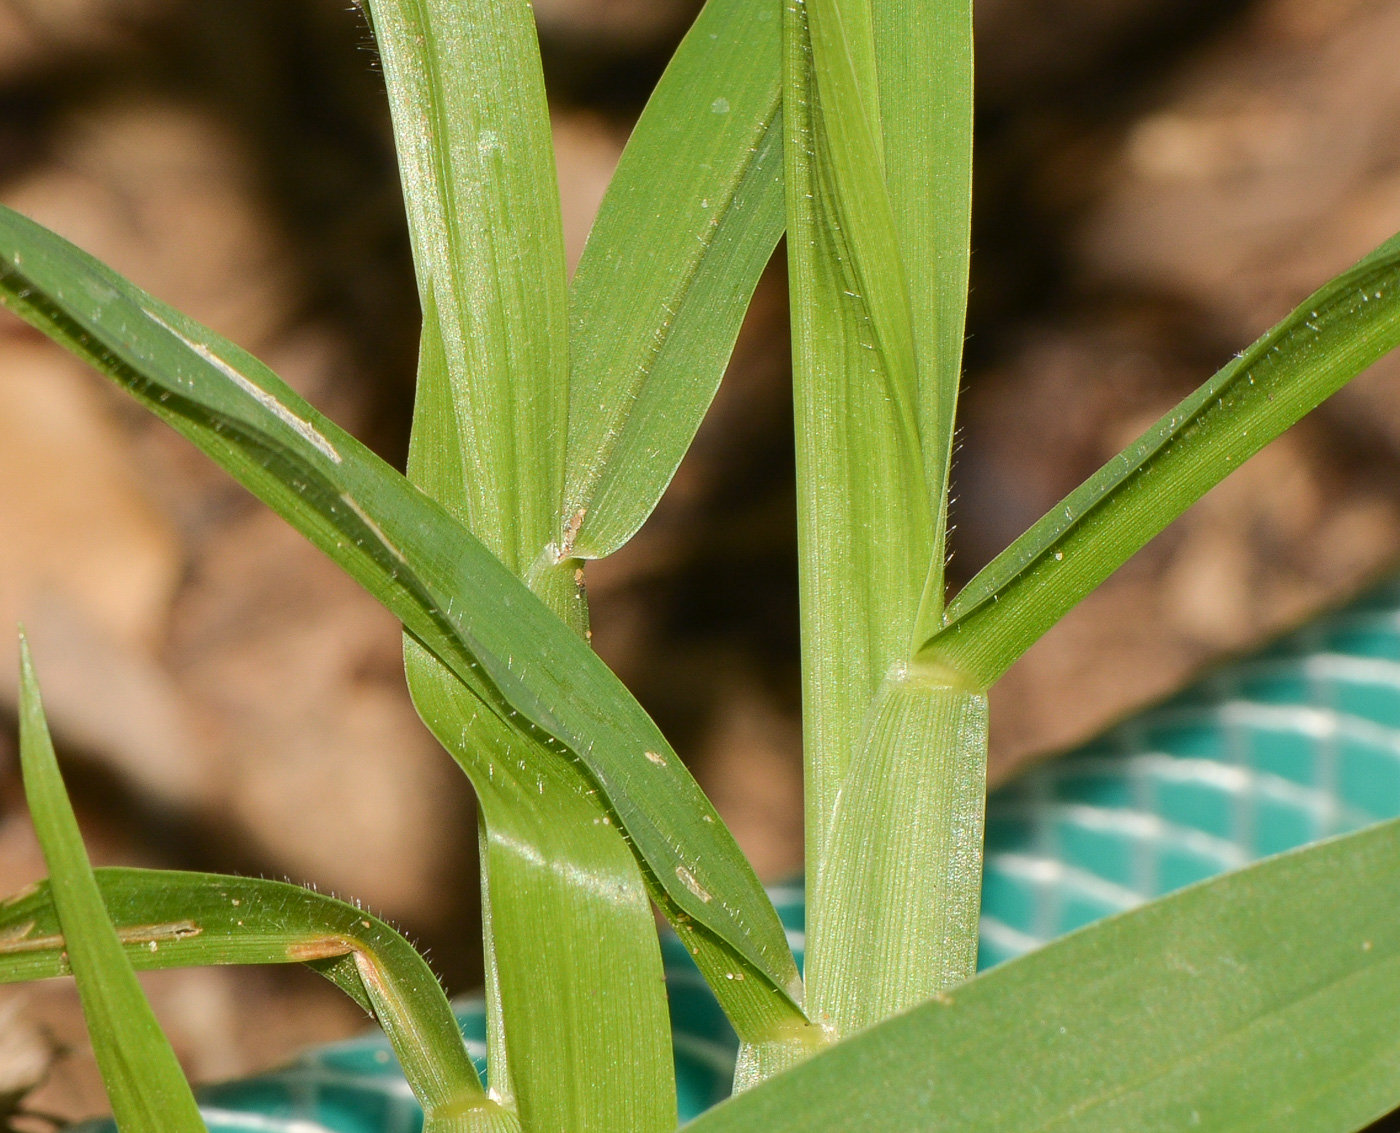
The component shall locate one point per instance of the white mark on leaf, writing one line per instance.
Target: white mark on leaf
(374, 527)
(689, 881)
(307, 431)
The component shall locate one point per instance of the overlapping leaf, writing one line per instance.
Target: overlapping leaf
(851, 163)
(144, 1082)
(175, 919)
(450, 591)
(1262, 1000)
(1335, 334)
(875, 388)
(580, 1035)
(864, 519)
(578, 1023)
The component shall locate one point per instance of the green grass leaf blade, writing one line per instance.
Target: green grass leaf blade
(1262, 1000)
(865, 521)
(669, 269)
(579, 994)
(144, 1082)
(565, 888)
(552, 858)
(902, 909)
(471, 125)
(577, 1011)
(1335, 334)
(861, 558)
(448, 589)
(577, 1027)
(176, 919)
(924, 55)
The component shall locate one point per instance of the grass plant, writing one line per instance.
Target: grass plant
(550, 418)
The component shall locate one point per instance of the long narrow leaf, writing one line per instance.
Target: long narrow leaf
(669, 269)
(1335, 334)
(1262, 1000)
(173, 919)
(144, 1082)
(883, 753)
(579, 993)
(578, 1008)
(472, 129)
(449, 590)
(577, 1014)
(559, 880)
(864, 524)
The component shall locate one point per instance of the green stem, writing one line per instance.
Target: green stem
(864, 530)
(900, 911)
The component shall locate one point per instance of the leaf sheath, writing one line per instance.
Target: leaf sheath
(902, 906)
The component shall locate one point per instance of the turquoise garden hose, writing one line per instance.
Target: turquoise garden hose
(1266, 754)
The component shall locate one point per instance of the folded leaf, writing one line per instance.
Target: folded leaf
(449, 590)
(851, 161)
(865, 525)
(1262, 1000)
(669, 269)
(1335, 334)
(577, 1024)
(144, 1082)
(174, 919)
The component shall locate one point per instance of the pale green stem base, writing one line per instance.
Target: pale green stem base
(483, 1117)
(897, 896)
(760, 1061)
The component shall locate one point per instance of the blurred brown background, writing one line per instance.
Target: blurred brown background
(1157, 181)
